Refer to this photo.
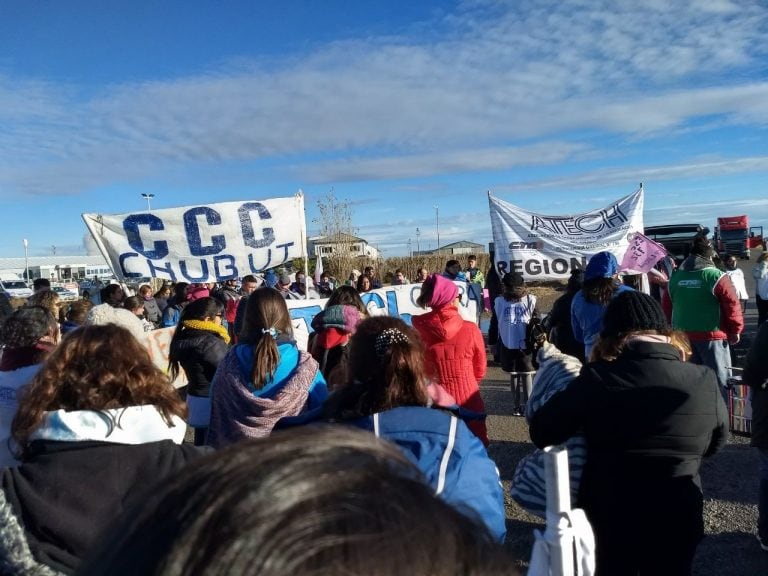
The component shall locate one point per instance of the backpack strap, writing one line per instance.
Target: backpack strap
(444, 461)
(530, 310)
(447, 455)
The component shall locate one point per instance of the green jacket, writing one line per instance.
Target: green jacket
(704, 302)
(475, 275)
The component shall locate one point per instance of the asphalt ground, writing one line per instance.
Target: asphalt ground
(730, 481)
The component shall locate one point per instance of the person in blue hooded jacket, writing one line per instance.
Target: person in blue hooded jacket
(387, 395)
(601, 284)
(263, 378)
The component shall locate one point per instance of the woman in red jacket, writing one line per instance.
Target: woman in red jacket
(455, 351)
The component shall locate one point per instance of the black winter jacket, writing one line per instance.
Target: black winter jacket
(646, 415)
(560, 331)
(755, 374)
(648, 419)
(199, 352)
(66, 494)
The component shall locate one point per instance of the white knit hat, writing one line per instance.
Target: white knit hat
(106, 314)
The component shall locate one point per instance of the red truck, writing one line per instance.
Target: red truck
(733, 235)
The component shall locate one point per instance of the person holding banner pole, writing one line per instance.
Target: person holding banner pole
(601, 285)
(495, 289)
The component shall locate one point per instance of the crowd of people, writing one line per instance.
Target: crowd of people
(92, 428)
(99, 474)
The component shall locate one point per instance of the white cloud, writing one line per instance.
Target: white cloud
(623, 175)
(478, 93)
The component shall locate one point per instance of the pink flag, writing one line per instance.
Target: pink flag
(642, 254)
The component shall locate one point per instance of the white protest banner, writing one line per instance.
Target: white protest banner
(398, 301)
(158, 343)
(544, 247)
(202, 243)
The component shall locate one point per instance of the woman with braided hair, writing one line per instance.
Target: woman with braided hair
(387, 394)
(265, 377)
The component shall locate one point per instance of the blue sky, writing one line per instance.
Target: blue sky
(557, 106)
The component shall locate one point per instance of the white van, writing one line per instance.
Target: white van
(13, 285)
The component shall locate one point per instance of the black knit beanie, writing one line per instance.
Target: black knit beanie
(512, 280)
(702, 247)
(633, 311)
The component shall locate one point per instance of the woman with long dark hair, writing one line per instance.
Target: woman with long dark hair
(175, 304)
(387, 395)
(264, 377)
(198, 345)
(601, 284)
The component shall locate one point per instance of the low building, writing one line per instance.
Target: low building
(454, 249)
(341, 244)
(58, 268)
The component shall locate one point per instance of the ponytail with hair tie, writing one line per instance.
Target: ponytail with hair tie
(272, 331)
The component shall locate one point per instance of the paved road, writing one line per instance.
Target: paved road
(729, 480)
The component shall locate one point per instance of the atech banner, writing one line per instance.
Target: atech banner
(543, 247)
(204, 243)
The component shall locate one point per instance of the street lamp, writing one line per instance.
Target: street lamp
(26, 259)
(418, 249)
(149, 200)
(437, 226)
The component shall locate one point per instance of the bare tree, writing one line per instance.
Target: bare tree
(337, 230)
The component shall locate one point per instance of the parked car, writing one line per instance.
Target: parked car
(65, 293)
(676, 238)
(14, 286)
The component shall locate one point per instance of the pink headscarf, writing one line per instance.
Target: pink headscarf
(197, 291)
(444, 293)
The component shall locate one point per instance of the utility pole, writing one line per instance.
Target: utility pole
(26, 260)
(148, 197)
